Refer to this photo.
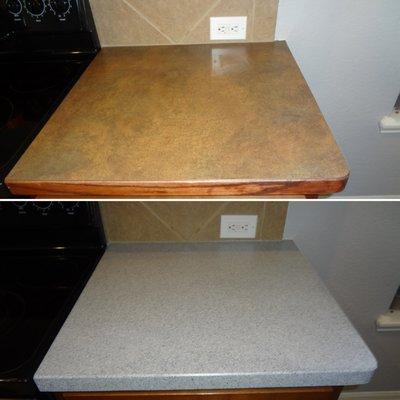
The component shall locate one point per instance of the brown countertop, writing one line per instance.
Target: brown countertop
(222, 120)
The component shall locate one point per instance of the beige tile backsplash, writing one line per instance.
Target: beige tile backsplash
(154, 22)
(186, 221)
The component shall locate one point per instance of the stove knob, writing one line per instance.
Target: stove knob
(70, 207)
(35, 8)
(60, 7)
(14, 6)
(21, 206)
(43, 206)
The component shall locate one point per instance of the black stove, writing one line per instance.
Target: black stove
(48, 251)
(45, 45)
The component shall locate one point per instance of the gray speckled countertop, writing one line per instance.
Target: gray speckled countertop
(212, 315)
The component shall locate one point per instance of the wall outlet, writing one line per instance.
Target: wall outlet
(228, 28)
(238, 226)
(391, 123)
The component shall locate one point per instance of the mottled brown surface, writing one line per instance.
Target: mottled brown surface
(185, 116)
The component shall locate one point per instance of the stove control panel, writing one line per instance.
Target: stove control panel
(42, 15)
(50, 209)
(47, 28)
(56, 225)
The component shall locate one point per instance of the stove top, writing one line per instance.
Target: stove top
(34, 289)
(47, 253)
(37, 291)
(30, 92)
(44, 48)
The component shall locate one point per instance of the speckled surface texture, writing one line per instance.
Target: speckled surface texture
(195, 316)
(196, 114)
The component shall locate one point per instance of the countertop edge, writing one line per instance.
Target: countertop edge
(104, 383)
(175, 188)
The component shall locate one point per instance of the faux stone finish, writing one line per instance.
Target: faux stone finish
(150, 120)
(204, 316)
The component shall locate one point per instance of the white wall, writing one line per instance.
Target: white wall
(349, 52)
(355, 247)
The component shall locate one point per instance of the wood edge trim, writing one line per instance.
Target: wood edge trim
(170, 189)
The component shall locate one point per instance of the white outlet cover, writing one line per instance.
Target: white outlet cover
(238, 226)
(391, 123)
(228, 28)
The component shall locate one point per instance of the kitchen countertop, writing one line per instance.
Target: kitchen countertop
(196, 120)
(204, 316)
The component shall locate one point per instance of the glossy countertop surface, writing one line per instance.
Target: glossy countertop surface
(185, 115)
(204, 316)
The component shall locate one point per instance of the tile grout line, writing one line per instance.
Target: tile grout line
(285, 220)
(262, 221)
(166, 225)
(253, 21)
(208, 220)
(199, 21)
(141, 15)
(104, 220)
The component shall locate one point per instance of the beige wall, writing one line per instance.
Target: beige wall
(151, 22)
(186, 221)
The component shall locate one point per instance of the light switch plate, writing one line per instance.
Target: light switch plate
(238, 226)
(228, 28)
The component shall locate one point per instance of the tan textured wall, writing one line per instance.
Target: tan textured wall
(186, 221)
(152, 22)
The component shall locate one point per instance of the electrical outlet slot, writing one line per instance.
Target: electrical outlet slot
(228, 28)
(238, 226)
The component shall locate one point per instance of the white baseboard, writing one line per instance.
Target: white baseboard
(395, 395)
